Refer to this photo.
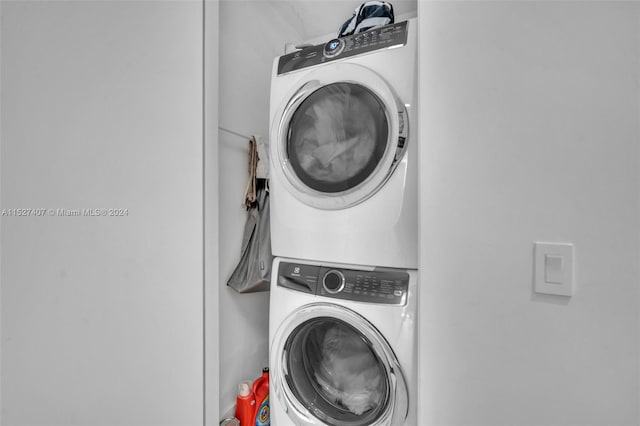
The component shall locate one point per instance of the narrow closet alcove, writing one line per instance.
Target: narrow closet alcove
(252, 34)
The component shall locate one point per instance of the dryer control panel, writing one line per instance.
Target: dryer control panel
(381, 285)
(388, 36)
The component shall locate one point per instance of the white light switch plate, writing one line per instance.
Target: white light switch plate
(553, 269)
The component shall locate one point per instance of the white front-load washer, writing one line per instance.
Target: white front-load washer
(343, 150)
(342, 344)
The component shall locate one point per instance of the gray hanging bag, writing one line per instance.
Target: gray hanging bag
(253, 272)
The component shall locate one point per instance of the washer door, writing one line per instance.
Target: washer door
(338, 136)
(332, 367)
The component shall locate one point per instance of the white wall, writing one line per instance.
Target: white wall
(529, 132)
(102, 316)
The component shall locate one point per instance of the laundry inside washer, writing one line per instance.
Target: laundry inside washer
(331, 365)
(349, 373)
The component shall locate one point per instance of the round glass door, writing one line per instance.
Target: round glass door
(334, 372)
(333, 367)
(338, 136)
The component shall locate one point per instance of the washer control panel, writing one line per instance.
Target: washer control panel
(392, 35)
(380, 285)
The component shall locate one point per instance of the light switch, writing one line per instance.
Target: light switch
(553, 269)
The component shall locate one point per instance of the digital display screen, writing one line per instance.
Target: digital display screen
(334, 44)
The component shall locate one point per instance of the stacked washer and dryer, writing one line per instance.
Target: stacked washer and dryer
(344, 222)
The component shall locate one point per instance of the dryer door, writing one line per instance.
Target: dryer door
(338, 136)
(332, 367)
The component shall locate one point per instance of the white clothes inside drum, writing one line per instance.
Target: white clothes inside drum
(349, 373)
(338, 134)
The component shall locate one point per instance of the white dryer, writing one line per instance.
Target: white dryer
(343, 150)
(342, 344)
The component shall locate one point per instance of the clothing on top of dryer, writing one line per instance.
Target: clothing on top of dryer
(338, 135)
(366, 16)
(349, 372)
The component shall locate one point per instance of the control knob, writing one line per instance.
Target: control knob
(333, 281)
(333, 48)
